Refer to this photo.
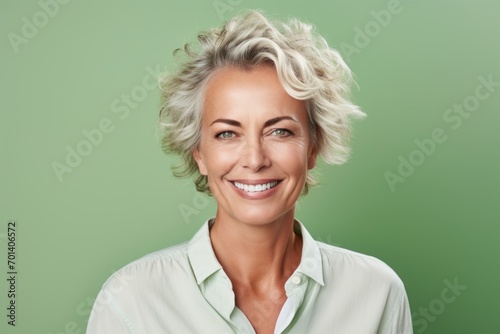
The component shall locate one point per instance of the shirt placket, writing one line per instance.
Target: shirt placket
(295, 288)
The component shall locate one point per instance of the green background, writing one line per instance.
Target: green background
(121, 201)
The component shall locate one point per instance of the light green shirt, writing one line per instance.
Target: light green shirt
(183, 289)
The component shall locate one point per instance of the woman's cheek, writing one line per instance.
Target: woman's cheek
(287, 150)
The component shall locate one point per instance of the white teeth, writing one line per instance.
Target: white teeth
(251, 188)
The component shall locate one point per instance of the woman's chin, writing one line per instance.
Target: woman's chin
(262, 216)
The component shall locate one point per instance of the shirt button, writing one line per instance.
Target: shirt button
(296, 280)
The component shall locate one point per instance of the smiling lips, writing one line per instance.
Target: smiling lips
(253, 188)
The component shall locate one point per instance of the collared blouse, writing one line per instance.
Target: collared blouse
(184, 289)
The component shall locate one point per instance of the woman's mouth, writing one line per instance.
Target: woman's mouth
(253, 188)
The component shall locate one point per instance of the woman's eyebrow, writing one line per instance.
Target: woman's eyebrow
(268, 123)
(275, 120)
(227, 121)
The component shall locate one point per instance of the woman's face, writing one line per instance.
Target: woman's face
(255, 145)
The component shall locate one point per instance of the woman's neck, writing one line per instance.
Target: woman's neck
(257, 256)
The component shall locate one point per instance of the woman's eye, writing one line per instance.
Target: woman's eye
(281, 132)
(225, 135)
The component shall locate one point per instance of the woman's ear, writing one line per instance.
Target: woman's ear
(313, 155)
(200, 161)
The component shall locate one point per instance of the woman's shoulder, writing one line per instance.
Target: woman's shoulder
(338, 261)
(139, 288)
(160, 265)
(168, 267)
(169, 256)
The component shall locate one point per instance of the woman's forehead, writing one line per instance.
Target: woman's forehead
(257, 91)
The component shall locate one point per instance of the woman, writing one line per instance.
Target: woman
(249, 114)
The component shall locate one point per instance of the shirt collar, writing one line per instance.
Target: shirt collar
(201, 254)
(204, 263)
(310, 262)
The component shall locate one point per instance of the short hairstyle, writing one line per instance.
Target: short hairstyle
(307, 68)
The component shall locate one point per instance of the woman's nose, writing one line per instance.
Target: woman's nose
(254, 156)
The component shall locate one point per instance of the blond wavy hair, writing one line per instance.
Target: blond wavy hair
(307, 67)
